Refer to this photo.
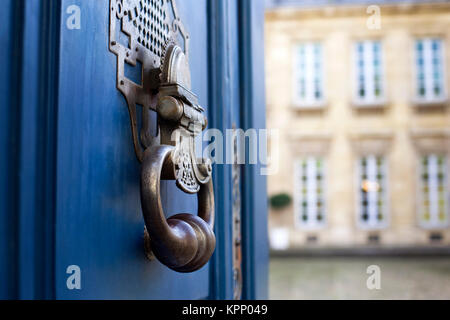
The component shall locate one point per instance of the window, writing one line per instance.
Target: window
(433, 191)
(369, 73)
(309, 193)
(308, 75)
(429, 70)
(372, 192)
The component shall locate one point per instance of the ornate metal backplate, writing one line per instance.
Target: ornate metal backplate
(149, 25)
(237, 245)
(156, 38)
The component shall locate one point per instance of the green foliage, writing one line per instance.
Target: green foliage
(280, 201)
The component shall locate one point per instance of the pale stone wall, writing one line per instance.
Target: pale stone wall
(341, 131)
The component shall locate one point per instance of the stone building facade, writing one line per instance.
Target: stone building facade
(359, 95)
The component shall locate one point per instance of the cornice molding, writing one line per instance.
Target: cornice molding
(428, 140)
(292, 12)
(309, 143)
(376, 142)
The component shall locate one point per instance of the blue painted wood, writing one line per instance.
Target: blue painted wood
(8, 158)
(48, 116)
(39, 122)
(255, 241)
(237, 94)
(220, 118)
(28, 213)
(26, 265)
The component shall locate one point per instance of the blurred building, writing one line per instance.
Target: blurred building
(360, 94)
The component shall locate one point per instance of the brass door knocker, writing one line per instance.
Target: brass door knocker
(184, 242)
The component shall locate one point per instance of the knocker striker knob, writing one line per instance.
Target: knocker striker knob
(169, 108)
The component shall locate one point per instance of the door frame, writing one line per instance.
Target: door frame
(253, 185)
(31, 113)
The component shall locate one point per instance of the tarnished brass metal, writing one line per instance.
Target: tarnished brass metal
(237, 242)
(184, 242)
(147, 26)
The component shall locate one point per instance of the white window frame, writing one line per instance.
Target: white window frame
(370, 98)
(372, 224)
(312, 223)
(429, 97)
(310, 101)
(434, 222)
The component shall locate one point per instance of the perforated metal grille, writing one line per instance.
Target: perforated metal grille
(138, 32)
(150, 20)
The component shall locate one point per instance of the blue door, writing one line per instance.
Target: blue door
(71, 217)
